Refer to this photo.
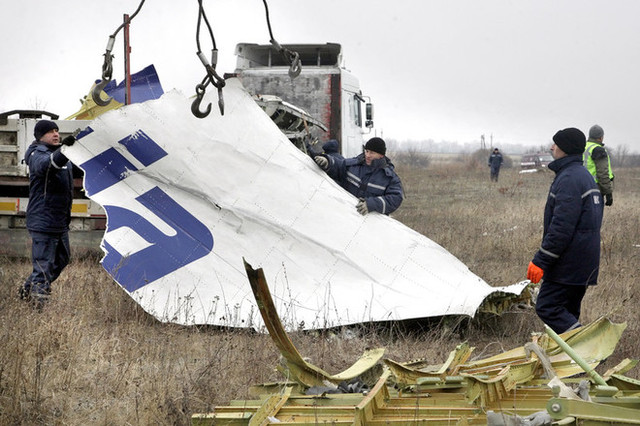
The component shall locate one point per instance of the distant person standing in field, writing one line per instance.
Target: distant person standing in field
(569, 257)
(370, 177)
(596, 160)
(495, 162)
(48, 211)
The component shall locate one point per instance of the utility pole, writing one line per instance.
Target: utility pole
(127, 64)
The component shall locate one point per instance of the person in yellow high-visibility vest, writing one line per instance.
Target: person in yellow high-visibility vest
(596, 160)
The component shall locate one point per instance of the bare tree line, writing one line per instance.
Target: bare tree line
(418, 152)
(621, 156)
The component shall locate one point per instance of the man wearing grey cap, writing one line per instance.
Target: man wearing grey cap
(596, 160)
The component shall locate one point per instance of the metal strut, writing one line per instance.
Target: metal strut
(107, 66)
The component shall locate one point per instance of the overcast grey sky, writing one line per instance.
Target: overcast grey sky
(446, 70)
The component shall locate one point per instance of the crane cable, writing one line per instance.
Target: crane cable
(292, 57)
(212, 76)
(107, 66)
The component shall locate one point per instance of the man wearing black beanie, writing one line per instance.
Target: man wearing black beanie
(370, 177)
(48, 211)
(569, 257)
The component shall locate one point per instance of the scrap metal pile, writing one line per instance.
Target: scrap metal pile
(550, 380)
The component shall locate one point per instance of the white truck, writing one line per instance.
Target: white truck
(327, 91)
(323, 102)
(16, 134)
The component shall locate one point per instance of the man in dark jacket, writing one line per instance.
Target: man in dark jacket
(48, 211)
(597, 161)
(495, 161)
(569, 256)
(370, 177)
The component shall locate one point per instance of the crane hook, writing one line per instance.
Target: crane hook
(107, 71)
(295, 68)
(195, 106)
(97, 90)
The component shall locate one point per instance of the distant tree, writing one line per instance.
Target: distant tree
(508, 161)
(412, 156)
(392, 145)
(535, 150)
(38, 104)
(619, 156)
(633, 160)
(477, 159)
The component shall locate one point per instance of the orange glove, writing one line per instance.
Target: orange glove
(534, 273)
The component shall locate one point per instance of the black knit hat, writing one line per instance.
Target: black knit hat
(376, 145)
(330, 146)
(42, 127)
(572, 141)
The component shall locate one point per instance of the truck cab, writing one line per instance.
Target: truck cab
(325, 90)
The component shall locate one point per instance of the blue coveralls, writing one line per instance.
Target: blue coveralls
(495, 161)
(48, 214)
(378, 183)
(570, 251)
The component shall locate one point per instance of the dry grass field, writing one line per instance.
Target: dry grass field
(94, 357)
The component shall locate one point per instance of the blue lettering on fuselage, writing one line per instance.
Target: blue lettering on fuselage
(165, 254)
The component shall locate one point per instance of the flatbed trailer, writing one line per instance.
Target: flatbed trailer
(16, 134)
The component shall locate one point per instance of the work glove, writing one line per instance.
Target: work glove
(322, 162)
(69, 140)
(534, 273)
(362, 207)
(608, 199)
